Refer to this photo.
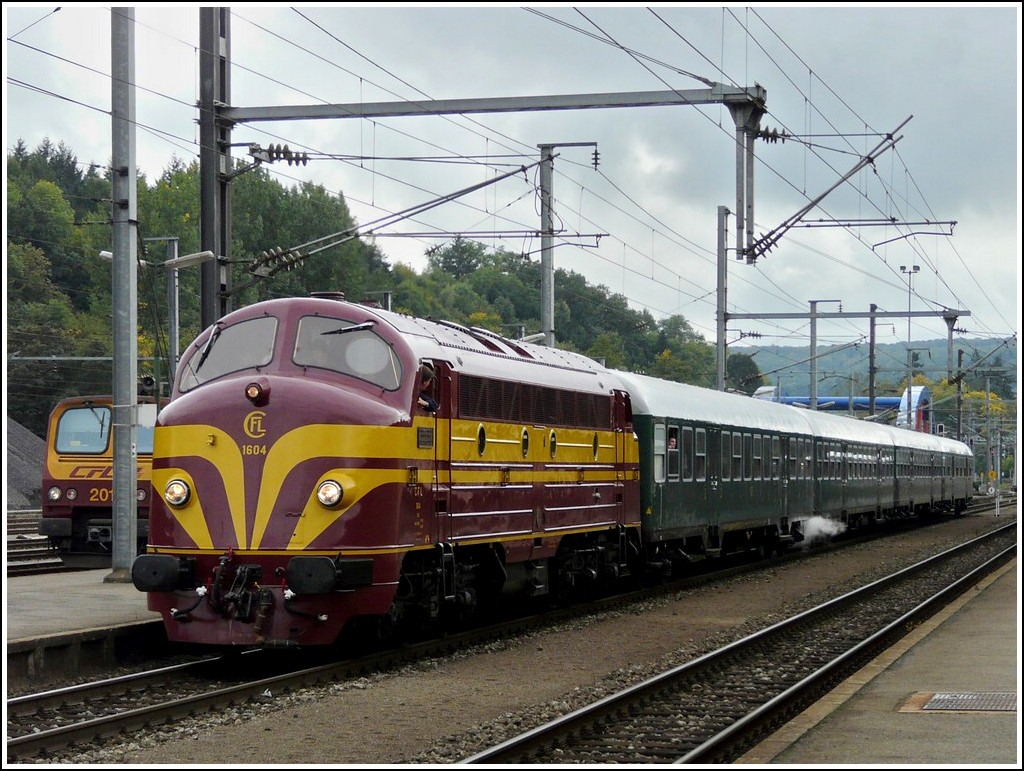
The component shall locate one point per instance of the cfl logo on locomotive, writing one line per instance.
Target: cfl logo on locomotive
(253, 424)
(253, 427)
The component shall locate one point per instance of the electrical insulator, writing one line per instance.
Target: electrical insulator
(597, 157)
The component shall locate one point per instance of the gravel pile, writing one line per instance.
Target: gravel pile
(25, 455)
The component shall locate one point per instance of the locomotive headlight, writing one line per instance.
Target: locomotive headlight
(258, 391)
(54, 494)
(329, 493)
(177, 492)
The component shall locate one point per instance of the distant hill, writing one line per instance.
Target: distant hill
(789, 366)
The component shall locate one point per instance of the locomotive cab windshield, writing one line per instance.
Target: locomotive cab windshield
(347, 347)
(246, 345)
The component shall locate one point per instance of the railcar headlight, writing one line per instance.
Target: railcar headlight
(329, 493)
(54, 494)
(71, 494)
(140, 494)
(177, 492)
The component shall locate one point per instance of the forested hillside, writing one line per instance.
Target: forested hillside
(59, 304)
(842, 368)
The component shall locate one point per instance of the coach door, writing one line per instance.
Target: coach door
(780, 473)
(718, 457)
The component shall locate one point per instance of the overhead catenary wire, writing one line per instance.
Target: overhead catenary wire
(639, 250)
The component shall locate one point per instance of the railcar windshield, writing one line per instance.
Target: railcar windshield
(346, 347)
(246, 345)
(84, 430)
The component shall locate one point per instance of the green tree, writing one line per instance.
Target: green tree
(458, 259)
(609, 349)
(742, 373)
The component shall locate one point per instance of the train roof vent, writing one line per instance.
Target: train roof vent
(478, 331)
(490, 344)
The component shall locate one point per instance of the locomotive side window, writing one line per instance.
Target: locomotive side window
(84, 430)
(245, 345)
(349, 348)
(144, 429)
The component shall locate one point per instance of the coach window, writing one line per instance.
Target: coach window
(776, 458)
(737, 455)
(659, 452)
(748, 457)
(726, 455)
(673, 452)
(757, 456)
(687, 453)
(700, 455)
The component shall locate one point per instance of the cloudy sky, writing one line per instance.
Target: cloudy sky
(944, 80)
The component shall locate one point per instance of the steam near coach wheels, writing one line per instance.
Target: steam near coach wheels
(302, 488)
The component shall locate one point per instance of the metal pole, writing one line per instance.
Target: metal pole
(960, 394)
(723, 275)
(125, 301)
(547, 261)
(910, 357)
(814, 355)
(871, 363)
(173, 345)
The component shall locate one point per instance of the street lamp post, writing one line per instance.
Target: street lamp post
(910, 357)
(172, 263)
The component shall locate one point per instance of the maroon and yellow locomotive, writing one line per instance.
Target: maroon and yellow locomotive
(307, 476)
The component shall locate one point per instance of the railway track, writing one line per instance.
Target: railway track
(46, 724)
(28, 552)
(713, 709)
